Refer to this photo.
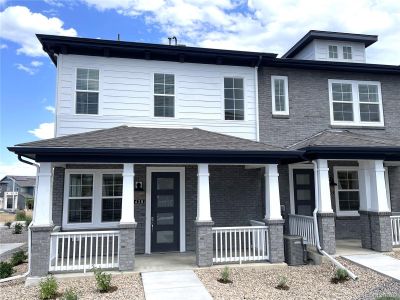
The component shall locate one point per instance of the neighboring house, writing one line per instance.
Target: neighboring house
(15, 190)
(170, 148)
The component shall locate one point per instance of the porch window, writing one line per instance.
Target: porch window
(355, 103)
(112, 198)
(234, 98)
(87, 91)
(347, 190)
(280, 95)
(164, 95)
(80, 198)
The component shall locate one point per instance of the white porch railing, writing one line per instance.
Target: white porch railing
(238, 244)
(304, 227)
(76, 251)
(395, 221)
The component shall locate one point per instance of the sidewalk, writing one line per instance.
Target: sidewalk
(174, 285)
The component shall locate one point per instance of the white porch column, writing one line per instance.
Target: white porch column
(364, 184)
(322, 178)
(272, 197)
(43, 203)
(203, 194)
(128, 194)
(379, 201)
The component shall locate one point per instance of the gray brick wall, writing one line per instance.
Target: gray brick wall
(275, 235)
(58, 195)
(204, 244)
(326, 230)
(348, 228)
(40, 250)
(394, 186)
(127, 247)
(381, 233)
(309, 104)
(365, 229)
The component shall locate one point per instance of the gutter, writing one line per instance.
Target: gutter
(256, 97)
(316, 233)
(29, 229)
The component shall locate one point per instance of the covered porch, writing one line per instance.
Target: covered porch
(100, 207)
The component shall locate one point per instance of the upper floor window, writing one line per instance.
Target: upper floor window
(164, 95)
(280, 95)
(333, 51)
(234, 98)
(87, 91)
(355, 103)
(347, 52)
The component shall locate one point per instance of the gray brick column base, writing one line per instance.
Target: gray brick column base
(365, 229)
(127, 246)
(204, 243)
(326, 230)
(275, 235)
(381, 232)
(40, 250)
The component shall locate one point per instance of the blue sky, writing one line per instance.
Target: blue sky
(27, 76)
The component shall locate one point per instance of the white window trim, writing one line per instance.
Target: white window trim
(182, 221)
(154, 94)
(356, 104)
(223, 97)
(86, 91)
(96, 202)
(351, 52)
(354, 213)
(337, 52)
(286, 87)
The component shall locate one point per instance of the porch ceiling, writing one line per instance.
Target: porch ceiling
(154, 145)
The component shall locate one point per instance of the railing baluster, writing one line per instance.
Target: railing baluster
(69, 243)
(235, 243)
(108, 243)
(112, 251)
(80, 246)
(230, 244)
(62, 253)
(85, 254)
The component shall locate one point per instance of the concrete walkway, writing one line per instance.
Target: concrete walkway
(8, 247)
(174, 285)
(380, 263)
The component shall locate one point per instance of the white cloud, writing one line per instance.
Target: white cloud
(269, 26)
(54, 3)
(44, 131)
(19, 25)
(36, 63)
(16, 168)
(26, 69)
(50, 109)
(3, 46)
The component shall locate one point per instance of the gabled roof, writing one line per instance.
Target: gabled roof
(23, 181)
(366, 39)
(141, 144)
(54, 44)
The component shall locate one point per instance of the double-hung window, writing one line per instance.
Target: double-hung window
(280, 95)
(355, 103)
(111, 198)
(80, 198)
(347, 194)
(333, 51)
(234, 98)
(347, 52)
(164, 95)
(87, 91)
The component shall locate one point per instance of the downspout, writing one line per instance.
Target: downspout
(256, 97)
(29, 229)
(316, 231)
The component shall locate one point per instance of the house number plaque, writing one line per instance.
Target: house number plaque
(139, 201)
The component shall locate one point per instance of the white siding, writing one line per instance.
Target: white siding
(126, 95)
(308, 52)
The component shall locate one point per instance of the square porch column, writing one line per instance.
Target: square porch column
(273, 218)
(42, 223)
(364, 183)
(325, 215)
(127, 225)
(204, 223)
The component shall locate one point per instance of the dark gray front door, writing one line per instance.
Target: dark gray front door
(165, 218)
(304, 195)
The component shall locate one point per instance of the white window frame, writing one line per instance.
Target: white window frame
(96, 199)
(286, 90)
(337, 52)
(354, 213)
(356, 104)
(154, 94)
(108, 197)
(351, 52)
(223, 98)
(86, 91)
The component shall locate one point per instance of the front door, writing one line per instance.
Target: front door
(165, 216)
(304, 191)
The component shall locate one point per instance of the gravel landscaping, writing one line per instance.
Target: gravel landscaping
(305, 282)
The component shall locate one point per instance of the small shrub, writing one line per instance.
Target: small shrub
(48, 288)
(28, 220)
(6, 269)
(18, 228)
(282, 284)
(103, 280)
(18, 258)
(341, 275)
(29, 203)
(8, 224)
(70, 295)
(20, 215)
(225, 276)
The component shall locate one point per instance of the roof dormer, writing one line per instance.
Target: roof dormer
(332, 46)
